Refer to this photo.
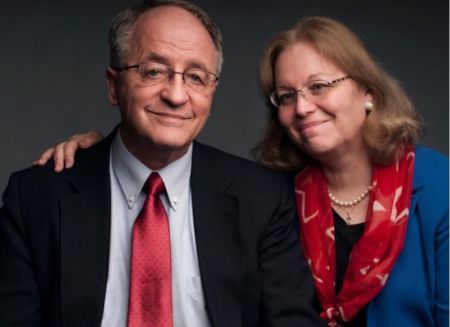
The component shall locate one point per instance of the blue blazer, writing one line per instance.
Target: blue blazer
(416, 293)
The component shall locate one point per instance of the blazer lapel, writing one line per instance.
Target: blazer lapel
(218, 242)
(85, 236)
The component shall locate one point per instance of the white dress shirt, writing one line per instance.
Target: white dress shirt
(128, 176)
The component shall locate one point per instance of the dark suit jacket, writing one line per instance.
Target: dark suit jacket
(55, 232)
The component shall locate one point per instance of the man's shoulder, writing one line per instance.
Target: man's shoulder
(210, 158)
(88, 162)
(219, 158)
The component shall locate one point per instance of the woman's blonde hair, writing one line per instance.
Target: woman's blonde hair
(391, 125)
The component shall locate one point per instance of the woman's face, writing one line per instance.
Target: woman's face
(327, 124)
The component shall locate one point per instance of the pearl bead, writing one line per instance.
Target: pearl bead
(350, 203)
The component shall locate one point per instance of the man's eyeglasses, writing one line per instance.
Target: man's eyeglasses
(286, 97)
(153, 73)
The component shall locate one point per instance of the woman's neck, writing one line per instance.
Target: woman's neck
(348, 177)
(348, 174)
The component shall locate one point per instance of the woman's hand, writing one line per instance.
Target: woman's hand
(63, 154)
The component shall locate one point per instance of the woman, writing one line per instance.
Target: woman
(372, 207)
(373, 210)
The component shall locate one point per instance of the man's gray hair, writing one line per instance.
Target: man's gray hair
(122, 27)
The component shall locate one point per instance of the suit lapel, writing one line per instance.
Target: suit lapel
(218, 242)
(85, 236)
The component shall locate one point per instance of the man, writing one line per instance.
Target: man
(73, 251)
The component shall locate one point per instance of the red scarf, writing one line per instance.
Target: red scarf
(374, 256)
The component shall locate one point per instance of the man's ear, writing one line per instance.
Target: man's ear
(112, 86)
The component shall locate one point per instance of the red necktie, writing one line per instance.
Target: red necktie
(150, 302)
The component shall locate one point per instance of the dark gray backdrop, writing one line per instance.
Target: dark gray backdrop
(53, 55)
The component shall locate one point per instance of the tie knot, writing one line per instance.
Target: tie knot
(154, 184)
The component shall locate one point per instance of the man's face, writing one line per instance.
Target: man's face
(163, 118)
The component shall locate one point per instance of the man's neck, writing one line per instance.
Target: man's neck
(152, 155)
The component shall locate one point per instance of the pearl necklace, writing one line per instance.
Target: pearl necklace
(351, 203)
(345, 205)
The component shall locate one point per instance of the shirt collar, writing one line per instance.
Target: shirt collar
(132, 173)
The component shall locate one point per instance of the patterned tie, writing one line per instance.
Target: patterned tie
(150, 302)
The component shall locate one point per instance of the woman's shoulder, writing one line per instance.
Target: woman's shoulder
(430, 163)
(431, 181)
(426, 156)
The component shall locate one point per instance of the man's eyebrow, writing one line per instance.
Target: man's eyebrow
(157, 58)
(196, 64)
(162, 60)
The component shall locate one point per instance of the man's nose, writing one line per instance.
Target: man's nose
(175, 91)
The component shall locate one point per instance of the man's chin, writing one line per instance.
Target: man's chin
(170, 145)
